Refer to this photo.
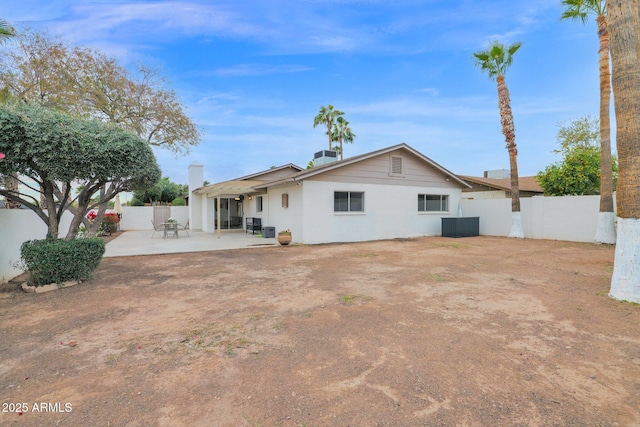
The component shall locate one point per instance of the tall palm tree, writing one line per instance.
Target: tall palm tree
(581, 10)
(342, 132)
(327, 116)
(495, 61)
(624, 25)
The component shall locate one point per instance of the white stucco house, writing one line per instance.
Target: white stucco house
(395, 192)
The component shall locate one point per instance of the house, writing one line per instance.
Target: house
(394, 192)
(499, 188)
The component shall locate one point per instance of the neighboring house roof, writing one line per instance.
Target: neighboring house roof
(351, 160)
(525, 183)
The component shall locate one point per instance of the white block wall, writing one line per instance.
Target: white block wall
(18, 226)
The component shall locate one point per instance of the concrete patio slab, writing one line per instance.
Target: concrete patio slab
(141, 243)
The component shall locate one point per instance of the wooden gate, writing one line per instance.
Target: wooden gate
(161, 214)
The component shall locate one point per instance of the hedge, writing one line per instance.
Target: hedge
(58, 261)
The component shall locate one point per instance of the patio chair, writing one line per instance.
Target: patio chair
(159, 227)
(184, 228)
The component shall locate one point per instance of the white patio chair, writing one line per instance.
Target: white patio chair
(184, 228)
(159, 227)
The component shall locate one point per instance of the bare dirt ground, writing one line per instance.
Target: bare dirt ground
(423, 332)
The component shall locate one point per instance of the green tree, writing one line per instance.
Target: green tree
(581, 10)
(342, 132)
(10, 181)
(50, 151)
(624, 26)
(579, 171)
(327, 116)
(88, 83)
(6, 31)
(495, 61)
(164, 191)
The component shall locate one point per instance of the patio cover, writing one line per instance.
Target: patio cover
(229, 188)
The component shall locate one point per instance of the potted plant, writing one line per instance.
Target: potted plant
(284, 237)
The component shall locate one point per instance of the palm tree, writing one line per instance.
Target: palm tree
(581, 10)
(624, 26)
(495, 60)
(327, 115)
(342, 132)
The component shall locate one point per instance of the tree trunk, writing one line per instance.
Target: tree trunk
(624, 27)
(509, 132)
(11, 183)
(606, 230)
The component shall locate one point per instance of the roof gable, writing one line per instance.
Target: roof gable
(346, 163)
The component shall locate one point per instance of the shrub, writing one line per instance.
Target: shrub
(136, 202)
(58, 261)
(178, 201)
(109, 223)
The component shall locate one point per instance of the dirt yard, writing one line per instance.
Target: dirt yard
(424, 332)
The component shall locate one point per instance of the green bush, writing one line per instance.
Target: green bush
(178, 201)
(136, 202)
(58, 261)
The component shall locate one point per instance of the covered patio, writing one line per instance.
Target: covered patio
(224, 205)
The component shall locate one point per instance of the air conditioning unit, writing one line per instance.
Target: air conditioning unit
(324, 157)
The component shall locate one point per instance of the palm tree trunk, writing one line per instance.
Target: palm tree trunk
(624, 25)
(606, 230)
(509, 132)
(329, 132)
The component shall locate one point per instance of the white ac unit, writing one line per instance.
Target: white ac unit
(323, 157)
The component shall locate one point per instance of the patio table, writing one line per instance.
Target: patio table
(170, 229)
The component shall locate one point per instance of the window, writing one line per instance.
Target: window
(433, 203)
(285, 200)
(348, 201)
(259, 204)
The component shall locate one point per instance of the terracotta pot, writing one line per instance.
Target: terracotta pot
(284, 238)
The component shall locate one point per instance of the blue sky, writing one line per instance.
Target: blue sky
(253, 74)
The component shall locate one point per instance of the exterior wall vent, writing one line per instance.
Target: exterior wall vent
(324, 157)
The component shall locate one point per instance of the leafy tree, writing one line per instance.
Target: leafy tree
(495, 61)
(11, 181)
(164, 191)
(50, 151)
(342, 132)
(624, 26)
(86, 82)
(579, 171)
(327, 116)
(581, 10)
(6, 31)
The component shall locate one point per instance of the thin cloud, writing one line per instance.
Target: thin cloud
(259, 70)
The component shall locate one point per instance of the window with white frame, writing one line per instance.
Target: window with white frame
(348, 201)
(433, 203)
(259, 204)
